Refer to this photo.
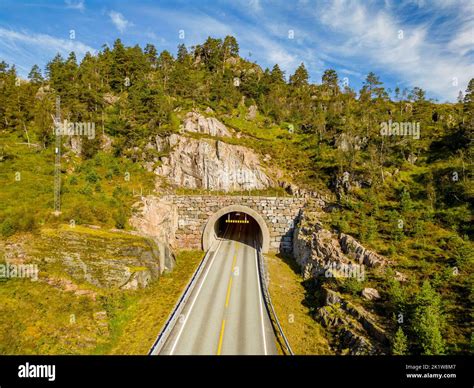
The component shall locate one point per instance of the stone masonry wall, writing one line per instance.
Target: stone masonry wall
(280, 215)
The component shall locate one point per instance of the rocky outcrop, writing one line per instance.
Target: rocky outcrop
(370, 293)
(75, 143)
(322, 254)
(354, 329)
(362, 255)
(291, 188)
(99, 258)
(210, 164)
(156, 218)
(110, 98)
(346, 142)
(251, 113)
(347, 182)
(317, 250)
(197, 123)
(314, 248)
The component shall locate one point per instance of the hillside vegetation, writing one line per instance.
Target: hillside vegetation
(409, 197)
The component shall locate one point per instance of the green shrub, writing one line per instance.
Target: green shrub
(8, 227)
(352, 286)
(27, 222)
(101, 214)
(81, 214)
(92, 177)
(86, 190)
(120, 218)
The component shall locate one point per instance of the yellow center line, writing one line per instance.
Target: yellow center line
(228, 293)
(229, 287)
(227, 299)
(221, 337)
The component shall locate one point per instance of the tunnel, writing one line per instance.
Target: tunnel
(252, 224)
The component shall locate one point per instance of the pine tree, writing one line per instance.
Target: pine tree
(406, 204)
(418, 94)
(373, 88)
(35, 76)
(151, 55)
(429, 321)
(468, 103)
(118, 66)
(330, 81)
(277, 76)
(399, 345)
(230, 47)
(300, 77)
(182, 53)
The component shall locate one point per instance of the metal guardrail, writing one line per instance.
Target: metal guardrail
(179, 306)
(268, 302)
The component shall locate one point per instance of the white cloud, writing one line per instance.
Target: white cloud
(463, 42)
(24, 49)
(373, 37)
(119, 21)
(79, 5)
(197, 26)
(42, 42)
(255, 5)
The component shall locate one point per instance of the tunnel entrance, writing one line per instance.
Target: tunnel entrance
(249, 230)
(252, 223)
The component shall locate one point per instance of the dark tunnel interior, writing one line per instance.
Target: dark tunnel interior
(239, 226)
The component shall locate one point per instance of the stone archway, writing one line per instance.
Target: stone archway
(209, 233)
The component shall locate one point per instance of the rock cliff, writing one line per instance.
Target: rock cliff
(210, 164)
(197, 123)
(315, 248)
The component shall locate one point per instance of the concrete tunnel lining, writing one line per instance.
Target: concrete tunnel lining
(209, 233)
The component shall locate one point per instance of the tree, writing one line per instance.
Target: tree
(165, 64)
(277, 76)
(35, 76)
(468, 102)
(396, 225)
(54, 72)
(372, 87)
(399, 345)
(118, 66)
(406, 203)
(397, 93)
(418, 94)
(230, 47)
(151, 55)
(210, 53)
(397, 294)
(182, 53)
(330, 81)
(300, 77)
(428, 321)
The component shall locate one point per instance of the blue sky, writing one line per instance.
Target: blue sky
(426, 43)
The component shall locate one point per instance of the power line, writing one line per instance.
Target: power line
(57, 161)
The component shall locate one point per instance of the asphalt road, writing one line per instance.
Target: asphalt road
(226, 314)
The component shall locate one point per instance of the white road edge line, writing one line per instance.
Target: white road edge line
(196, 296)
(260, 300)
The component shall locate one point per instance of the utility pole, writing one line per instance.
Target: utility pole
(57, 161)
